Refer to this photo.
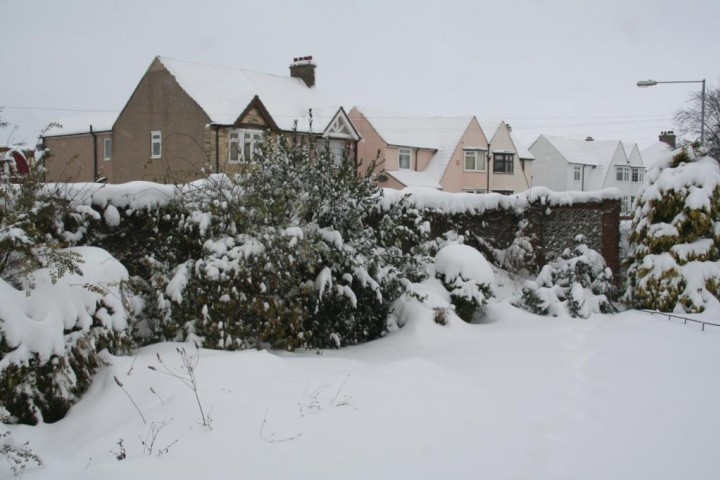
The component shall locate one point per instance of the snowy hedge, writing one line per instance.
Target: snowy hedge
(51, 333)
(674, 257)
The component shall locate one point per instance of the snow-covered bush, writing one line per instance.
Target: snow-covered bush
(577, 282)
(31, 218)
(467, 276)
(290, 256)
(673, 262)
(50, 335)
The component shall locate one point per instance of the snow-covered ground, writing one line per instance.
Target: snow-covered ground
(626, 396)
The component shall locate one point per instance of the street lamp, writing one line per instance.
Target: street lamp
(652, 83)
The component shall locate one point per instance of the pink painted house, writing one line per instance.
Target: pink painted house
(445, 153)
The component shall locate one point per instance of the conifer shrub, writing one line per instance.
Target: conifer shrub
(578, 283)
(673, 263)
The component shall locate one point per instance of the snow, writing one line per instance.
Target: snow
(518, 396)
(101, 122)
(462, 260)
(452, 203)
(224, 93)
(34, 321)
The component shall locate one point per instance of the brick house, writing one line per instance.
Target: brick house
(81, 149)
(185, 120)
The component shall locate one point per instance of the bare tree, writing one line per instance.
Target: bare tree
(689, 119)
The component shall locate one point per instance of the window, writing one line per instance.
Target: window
(337, 150)
(404, 158)
(503, 162)
(107, 148)
(156, 144)
(242, 145)
(577, 173)
(638, 175)
(626, 204)
(474, 190)
(622, 174)
(474, 161)
(503, 192)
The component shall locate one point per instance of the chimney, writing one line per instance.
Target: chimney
(304, 69)
(509, 127)
(589, 139)
(668, 137)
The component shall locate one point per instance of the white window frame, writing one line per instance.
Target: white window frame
(337, 149)
(622, 174)
(474, 190)
(637, 175)
(406, 153)
(577, 173)
(107, 148)
(156, 141)
(245, 146)
(476, 157)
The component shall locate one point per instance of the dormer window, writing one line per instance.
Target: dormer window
(404, 158)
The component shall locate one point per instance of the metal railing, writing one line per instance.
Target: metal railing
(685, 320)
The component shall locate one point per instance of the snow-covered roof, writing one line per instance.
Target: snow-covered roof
(441, 134)
(521, 148)
(656, 152)
(489, 128)
(225, 92)
(595, 153)
(79, 124)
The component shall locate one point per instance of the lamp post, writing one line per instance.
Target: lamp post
(652, 83)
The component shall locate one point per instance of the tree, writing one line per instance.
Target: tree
(673, 263)
(689, 119)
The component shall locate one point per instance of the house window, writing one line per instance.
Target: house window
(626, 204)
(577, 173)
(243, 144)
(638, 175)
(404, 158)
(503, 192)
(337, 150)
(107, 148)
(503, 162)
(474, 161)
(156, 144)
(474, 190)
(622, 174)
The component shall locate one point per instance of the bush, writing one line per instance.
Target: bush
(578, 283)
(290, 257)
(673, 263)
(467, 276)
(49, 348)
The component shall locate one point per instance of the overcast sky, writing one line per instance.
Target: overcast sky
(555, 67)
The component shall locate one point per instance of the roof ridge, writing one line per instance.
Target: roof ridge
(204, 64)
